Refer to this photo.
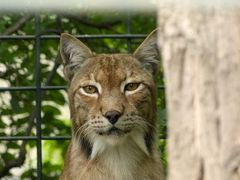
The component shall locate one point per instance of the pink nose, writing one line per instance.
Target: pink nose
(112, 116)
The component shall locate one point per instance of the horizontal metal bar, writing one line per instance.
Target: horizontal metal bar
(16, 138)
(22, 138)
(56, 137)
(161, 87)
(29, 88)
(33, 88)
(54, 87)
(92, 36)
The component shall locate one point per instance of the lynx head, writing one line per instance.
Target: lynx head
(112, 97)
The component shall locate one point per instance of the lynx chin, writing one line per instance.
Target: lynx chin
(112, 100)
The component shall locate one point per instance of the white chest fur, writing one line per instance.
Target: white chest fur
(120, 160)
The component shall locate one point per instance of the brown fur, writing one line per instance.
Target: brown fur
(94, 153)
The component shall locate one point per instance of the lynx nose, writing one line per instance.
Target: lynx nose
(112, 116)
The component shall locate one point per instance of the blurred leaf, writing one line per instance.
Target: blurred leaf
(29, 174)
(57, 96)
(13, 145)
(48, 109)
(7, 157)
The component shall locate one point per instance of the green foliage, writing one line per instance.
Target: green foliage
(17, 68)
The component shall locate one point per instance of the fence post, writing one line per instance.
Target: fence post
(201, 57)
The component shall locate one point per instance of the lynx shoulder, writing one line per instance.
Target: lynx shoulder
(112, 100)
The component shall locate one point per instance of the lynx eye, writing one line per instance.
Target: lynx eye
(131, 86)
(90, 89)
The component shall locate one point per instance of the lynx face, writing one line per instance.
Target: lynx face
(112, 97)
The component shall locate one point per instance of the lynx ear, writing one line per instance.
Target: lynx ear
(148, 54)
(73, 53)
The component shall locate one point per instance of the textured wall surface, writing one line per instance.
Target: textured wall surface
(201, 58)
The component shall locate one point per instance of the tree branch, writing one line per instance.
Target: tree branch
(22, 152)
(85, 21)
(20, 23)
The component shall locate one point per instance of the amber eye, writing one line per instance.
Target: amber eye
(131, 86)
(90, 89)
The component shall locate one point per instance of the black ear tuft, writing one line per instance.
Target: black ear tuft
(148, 53)
(73, 53)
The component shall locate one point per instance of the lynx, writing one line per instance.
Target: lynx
(112, 101)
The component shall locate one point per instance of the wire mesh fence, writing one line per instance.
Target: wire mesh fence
(39, 89)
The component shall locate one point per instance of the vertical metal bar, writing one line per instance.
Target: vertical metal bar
(128, 23)
(38, 96)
